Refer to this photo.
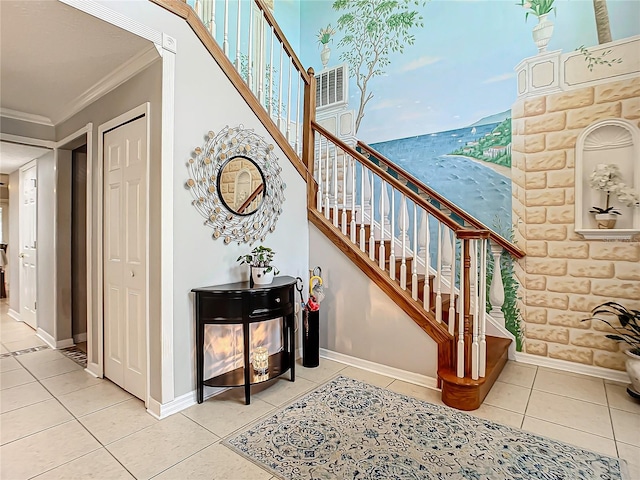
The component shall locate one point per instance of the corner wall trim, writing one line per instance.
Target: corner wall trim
(599, 372)
(396, 373)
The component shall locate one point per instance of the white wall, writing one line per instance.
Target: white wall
(205, 100)
(358, 319)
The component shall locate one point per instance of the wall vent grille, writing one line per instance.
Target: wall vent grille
(332, 84)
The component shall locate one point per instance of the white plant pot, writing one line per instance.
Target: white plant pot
(606, 220)
(633, 370)
(260, 277)
(325, 53)
(542, 32)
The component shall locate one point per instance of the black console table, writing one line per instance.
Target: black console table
(242, 304)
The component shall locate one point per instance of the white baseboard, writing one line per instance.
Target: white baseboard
(66, 343)
(80, 337)
(15, 315)
(93, 369)
(49, 340)
(600, 372)
(163, 410)
(410, 377)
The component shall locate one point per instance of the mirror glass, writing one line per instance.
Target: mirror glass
(241, 185)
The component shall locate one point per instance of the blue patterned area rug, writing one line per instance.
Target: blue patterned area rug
(347, 429)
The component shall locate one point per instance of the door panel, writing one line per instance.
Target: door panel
(28, 243)
(125, 236)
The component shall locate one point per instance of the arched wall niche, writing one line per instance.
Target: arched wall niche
(611, 141)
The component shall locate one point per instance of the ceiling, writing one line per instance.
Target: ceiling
(14, 155)
(51, 55)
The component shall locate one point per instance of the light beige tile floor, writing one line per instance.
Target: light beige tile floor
(57, 421)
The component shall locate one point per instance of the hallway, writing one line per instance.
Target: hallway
(57, 421)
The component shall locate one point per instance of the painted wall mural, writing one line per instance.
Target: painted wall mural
(434, 92)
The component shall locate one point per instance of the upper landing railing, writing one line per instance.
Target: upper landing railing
(254, 54)
(261, 54)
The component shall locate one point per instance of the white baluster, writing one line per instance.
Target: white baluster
(288, 131)
(363, 181)
(279, 113)
(334, 183)
(439, 276)
(446, 256)
(496, 290)
(198, 8)
(475, 347)
(483, 309)
(452, 300)
(460, 353)
(298, 122)
(381, 249)
(352, 184)
(384, 212)
(238, 54)
(270, 92)
(392, 229)
(424, 237)
(327, 182)
(404, 227)
(343, 220)
(225, 34)
(414, 265)
(367, 197)
(211, 18)
(260, 70)
(319, 175)
(372, 240)
(250, 55)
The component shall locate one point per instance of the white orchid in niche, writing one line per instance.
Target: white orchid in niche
(607, 178)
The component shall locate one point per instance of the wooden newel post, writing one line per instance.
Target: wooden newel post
(308, 143)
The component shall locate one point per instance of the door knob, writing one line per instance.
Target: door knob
(21, 255)
(133, 274)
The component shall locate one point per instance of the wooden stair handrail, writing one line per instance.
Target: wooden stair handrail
(180, 8)
(468, 218)
(448, 221)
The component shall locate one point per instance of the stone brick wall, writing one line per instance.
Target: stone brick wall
(563, 275)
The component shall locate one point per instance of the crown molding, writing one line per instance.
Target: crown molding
(113, 80)
(26, 117)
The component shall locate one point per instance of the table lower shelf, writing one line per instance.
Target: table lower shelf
(278, 364)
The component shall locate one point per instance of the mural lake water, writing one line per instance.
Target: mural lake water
(477, 189)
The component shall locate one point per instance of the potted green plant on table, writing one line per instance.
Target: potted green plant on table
(627, 330)
(259, 260)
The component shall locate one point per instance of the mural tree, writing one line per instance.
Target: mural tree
(372, 30)
(602, 21)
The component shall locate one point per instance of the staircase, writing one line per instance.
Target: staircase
(425, 253)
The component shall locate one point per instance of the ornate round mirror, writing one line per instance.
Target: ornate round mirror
(236, 184)
(241, 185)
